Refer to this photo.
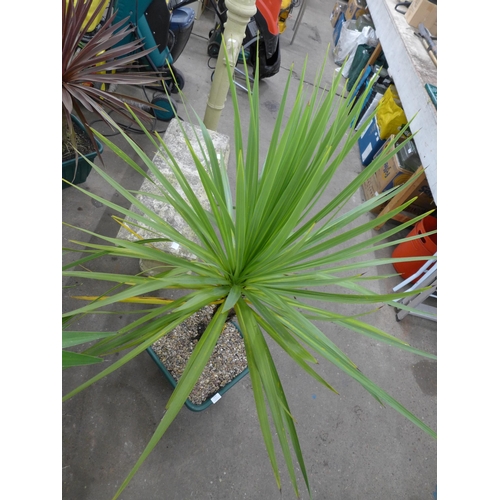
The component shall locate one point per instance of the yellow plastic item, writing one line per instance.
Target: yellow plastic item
(95, 4)
(286, 7)
(390, 115)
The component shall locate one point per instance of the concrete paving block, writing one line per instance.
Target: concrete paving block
(175, 141)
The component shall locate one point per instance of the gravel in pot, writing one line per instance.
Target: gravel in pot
(227, 361)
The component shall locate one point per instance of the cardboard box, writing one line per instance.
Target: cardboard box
(370, 142)
(422, 11)
(339, 7)
(422, 204)
(392, 174)
(370, 189)
(356, 8)
(398, 175)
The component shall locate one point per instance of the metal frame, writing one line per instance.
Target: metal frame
(428, 278)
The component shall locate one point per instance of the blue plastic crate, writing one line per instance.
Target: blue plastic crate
(370, 142)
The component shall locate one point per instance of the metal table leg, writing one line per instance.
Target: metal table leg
(298, 20)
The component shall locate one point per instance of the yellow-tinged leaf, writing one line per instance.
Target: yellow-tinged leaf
(131, 300)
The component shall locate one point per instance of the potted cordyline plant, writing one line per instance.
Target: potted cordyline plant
(261, 254)
(94, 57)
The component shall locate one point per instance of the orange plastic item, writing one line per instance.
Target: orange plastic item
(270, 10)
(420, 247)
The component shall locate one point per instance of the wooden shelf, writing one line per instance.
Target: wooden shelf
(411, 68)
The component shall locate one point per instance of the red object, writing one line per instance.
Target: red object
(270, 10)
(420, 247)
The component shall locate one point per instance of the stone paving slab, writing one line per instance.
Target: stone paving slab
(175, 141)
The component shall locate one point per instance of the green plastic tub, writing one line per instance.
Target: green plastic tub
(82, 168)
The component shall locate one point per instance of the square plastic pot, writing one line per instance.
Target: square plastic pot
(209, 401)
(82, 168)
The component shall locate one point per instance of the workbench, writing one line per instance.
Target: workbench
(411, 68)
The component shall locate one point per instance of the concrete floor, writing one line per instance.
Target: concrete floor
(353, 448)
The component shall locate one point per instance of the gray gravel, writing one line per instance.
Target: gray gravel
(227, 361)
